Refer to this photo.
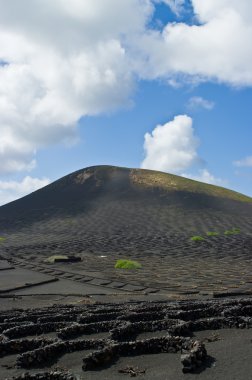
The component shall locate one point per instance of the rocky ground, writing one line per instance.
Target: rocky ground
(113, 341)
(171, 264)
(173, 318)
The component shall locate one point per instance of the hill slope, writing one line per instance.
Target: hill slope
(119, 202)
(107, 213)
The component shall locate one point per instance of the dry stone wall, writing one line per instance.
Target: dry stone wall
(23, 332)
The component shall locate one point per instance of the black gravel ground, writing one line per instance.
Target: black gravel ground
(189, 338)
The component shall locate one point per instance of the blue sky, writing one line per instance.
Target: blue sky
(225, 132)
(64, 109)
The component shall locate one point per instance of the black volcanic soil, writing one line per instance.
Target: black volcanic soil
(103, 214)
(143, 339)
(116, 202)
(106, 213)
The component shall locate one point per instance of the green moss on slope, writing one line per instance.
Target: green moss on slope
(170, 182)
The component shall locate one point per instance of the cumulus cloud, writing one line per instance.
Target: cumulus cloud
(205, 176)
(245, 162)
(11, 190)
(64, 59)
(199, 102)
(217, 48)
(171, 147)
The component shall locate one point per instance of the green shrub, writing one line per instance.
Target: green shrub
(234, 231)
(2, 239)
(197, 238)
(127, 264)
(209, 233)
(228, 232)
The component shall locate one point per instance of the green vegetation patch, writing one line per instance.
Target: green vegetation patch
(210, 233)
(234, 231)
(127, 264)
(171, 182)
(52, 259)
(197, 238)
(2, 239)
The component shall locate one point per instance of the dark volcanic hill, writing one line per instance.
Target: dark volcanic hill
(104, 214)
(123, 203)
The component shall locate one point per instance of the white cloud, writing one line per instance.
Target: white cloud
(245, 162)
(171, 147)
(199, 102)
(216, 49)
(11, 190)
(71, 58)
(66, 59)
(205, 176)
